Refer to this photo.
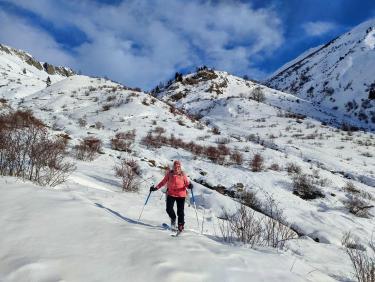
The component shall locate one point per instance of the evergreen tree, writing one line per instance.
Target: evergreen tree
(178, 77)
(48, 81)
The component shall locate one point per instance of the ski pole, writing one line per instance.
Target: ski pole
(195, 207)
(149, 194)
(204, 213)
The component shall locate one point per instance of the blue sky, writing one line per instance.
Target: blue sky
(140, 43)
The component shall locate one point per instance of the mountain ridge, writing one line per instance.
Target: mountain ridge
(338, 75)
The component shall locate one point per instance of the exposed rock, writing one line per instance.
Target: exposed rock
(50, 69)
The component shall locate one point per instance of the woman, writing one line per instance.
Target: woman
(177, 183)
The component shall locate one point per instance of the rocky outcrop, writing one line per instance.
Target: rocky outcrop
(27, 58)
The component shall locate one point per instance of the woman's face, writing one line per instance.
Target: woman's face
(177, 168)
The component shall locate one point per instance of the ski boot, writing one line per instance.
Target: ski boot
(173, 225)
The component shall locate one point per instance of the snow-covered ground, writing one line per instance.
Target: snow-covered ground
(89, 232)
(86, 229)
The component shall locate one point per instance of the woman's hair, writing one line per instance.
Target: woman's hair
(178, 163)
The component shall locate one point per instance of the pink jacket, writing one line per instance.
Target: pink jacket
(176, 184)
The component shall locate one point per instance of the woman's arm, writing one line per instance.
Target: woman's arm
(163, 182)
(187, 181)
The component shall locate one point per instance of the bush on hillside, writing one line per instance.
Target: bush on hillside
(123, 141)
(88, 148)
(358, 206)
(130, 174)
(304, 187)
(362, 261)
(258, 95)
(237, 157)
(244, 226)
(257, 163)
(28, 151)
(293, 168)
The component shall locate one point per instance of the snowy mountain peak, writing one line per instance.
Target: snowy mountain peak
(338, 76)
(22, 75)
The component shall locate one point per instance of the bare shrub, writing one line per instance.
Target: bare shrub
(257, 163)
(249, 198)
(88, 148)
(99, 125)
(82, 122)
(213, 154)
(350, 188)
(275, 167)
(111, 98)
(293, 168)
(224, 150)
(216, 130)
(107, 107)
(304, 187)
(358, 206)
(241, 226)
(29, 152)
(159, 130)
(130, 174)
(150, 141)
(123, 141)
(237, 157)
(363, 263)
(253, 138)
(223, 140)
(277, 230)
(257, 95)
(271, 230)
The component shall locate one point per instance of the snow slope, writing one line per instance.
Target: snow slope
(73, 235)
(266, 128)
(85, 229)
(338, 76)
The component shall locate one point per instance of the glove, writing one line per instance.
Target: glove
(190, 186)
(152, 188)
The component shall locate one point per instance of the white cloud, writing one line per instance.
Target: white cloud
(318, 28)
(140, 43)
(18, 33)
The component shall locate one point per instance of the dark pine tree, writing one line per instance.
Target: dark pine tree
(178, 77)
(48, 81)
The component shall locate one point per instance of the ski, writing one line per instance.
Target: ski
(168, 227)
(178, 233)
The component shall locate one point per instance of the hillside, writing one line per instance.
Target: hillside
(21, 74)
(210, 121)
(337, 77)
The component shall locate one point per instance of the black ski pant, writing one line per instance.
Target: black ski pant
(180, 208)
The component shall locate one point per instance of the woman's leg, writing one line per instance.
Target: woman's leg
(180, 210)
(169, 209)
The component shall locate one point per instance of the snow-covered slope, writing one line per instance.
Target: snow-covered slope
(73, 235)
(339, 76)
(282, 138)
(21, 74)
(88, 221)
